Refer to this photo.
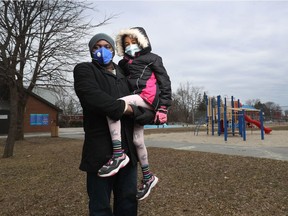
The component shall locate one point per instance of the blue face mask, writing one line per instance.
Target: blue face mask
(103, 56)
(132, 49)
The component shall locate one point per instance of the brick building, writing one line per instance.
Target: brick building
(39, 115)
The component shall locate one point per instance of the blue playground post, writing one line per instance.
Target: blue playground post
(261, 124)
(243, 125)
(207, 117)
(225, 121)
(212, 116)
(233, 116)
(219, 114)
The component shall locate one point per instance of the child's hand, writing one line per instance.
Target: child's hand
(161, 115)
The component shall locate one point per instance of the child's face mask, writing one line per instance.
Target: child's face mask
(132, 49)
(103, 56)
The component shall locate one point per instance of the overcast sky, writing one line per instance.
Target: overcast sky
(230, 48)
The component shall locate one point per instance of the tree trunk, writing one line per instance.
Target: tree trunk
(10, 141)
(20, 116)
(20, 127)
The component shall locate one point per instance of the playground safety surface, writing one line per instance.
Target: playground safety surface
(273, 146)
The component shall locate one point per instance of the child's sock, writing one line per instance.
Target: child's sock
(146, 172)
(117, 148)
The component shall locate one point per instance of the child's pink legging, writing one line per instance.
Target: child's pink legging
(138, 135)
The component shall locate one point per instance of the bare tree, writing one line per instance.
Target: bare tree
(253, 102)
(187, 97)
(274, 111)
(39, 43)
(271, 110)
(68, 103)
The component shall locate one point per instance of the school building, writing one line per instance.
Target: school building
(40, 115)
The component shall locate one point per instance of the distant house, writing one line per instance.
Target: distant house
(39, 116)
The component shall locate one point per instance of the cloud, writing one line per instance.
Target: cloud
(227, 47)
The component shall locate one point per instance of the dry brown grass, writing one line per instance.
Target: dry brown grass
(43, 179)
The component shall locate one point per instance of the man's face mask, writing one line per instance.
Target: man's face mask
(132, 49)
(103, 56)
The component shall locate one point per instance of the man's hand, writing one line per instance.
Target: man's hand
(142, 116)
(161, 116)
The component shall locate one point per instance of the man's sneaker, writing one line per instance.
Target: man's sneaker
(146, 187)
(113, 166)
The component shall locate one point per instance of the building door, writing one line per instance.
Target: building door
(4, 121)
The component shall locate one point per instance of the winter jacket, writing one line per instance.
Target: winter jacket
(98, 91)
(146, 74)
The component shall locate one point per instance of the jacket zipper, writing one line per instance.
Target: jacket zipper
(143, 71)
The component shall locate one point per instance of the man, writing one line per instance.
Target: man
(98, 84)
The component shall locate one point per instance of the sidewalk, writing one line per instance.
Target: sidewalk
(62, 132)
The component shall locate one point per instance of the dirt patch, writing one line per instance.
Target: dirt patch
(43, 179)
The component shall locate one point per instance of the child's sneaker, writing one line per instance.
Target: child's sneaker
(146, 187)
(113, 166)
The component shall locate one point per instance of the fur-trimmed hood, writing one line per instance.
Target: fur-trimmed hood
(135, 32)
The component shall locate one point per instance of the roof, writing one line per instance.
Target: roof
(248, 107)
(45, 101)
(5, 105)
(47, 93)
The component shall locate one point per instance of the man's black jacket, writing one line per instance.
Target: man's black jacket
(98, 91)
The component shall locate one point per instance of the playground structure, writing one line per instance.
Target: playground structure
(230, 116)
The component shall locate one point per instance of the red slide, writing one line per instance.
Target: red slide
(258, 124)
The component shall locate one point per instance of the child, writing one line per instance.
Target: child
(151, 88)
